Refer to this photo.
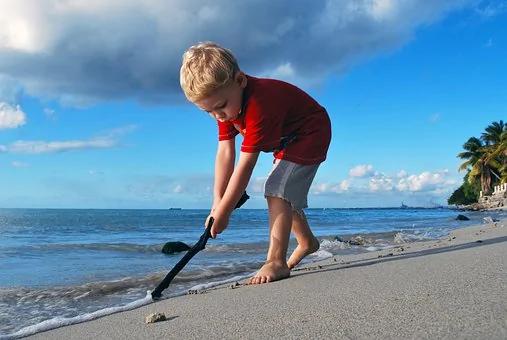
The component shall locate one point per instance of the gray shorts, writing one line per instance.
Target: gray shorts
(291, 182)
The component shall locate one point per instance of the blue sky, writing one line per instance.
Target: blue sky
(84, 123)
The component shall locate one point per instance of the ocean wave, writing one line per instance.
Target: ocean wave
(65, 321)
(131, 247)
(94, 290)
(255, 247)
(57, 322)
(118, 247)
(40, 305)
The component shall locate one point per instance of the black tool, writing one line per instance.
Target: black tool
(200, 245)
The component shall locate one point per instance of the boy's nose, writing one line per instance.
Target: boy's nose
(219, 114)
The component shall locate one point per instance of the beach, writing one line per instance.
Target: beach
(453, 287)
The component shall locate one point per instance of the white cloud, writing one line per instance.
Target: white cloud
(283, 71)
(364, 170)
(82, 51)
(11, 116)
(326, 188)
(106, 141)
(345, 185)
(401, 174)
(438, 182)
(383, 9)
(425, 181)
(10, 89)
(18, 164)
(381, 183)
(37, 147)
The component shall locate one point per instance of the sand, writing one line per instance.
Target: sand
(449, 288)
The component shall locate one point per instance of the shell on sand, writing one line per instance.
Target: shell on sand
(155, 317)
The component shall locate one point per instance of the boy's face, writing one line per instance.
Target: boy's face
(225, 103)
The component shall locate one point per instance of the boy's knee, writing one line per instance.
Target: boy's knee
(275, 202)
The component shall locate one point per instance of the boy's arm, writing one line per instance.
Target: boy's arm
(224, 166)
(235, 188)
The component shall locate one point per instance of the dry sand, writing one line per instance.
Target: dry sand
(450, 288)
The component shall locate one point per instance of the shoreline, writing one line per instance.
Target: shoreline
(451, 287)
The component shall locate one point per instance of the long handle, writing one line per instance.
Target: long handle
(200, 245)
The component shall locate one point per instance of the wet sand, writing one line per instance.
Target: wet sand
(454, 287)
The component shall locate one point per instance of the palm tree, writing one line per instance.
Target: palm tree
(477, 162)
(493, 132)
(498, 154)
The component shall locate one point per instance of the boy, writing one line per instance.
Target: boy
(273, 116)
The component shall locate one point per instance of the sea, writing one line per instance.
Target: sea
(64, 266)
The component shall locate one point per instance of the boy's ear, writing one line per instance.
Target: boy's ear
(241, 79)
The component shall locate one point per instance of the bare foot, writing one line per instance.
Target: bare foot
(300, 252)
(271, 271)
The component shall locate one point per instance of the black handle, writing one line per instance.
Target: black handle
(200, 245)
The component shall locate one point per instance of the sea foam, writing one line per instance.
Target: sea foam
(59, 321)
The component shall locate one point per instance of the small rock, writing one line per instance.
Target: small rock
(399, 238)
(357, 241)
(155, 317)
(462, 218)
(479, 241)
(320, 267)
(339, 239)
(490, 219)
(174, 247)
(234, 285)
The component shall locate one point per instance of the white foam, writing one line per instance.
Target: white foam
(371, 248)
(321, 254)
(417, 235)
(335, 244)
(59, 321)
(218, 283)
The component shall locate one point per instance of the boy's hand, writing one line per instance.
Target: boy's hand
(221, 221)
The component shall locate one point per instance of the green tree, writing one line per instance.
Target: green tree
(466, 194)
(493, 132)
(476, 163)
(497, 150)
(485, 163)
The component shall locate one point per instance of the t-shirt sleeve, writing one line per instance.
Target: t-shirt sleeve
(263, 126)
(226, 130)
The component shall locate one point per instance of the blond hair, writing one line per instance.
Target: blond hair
(205, 68)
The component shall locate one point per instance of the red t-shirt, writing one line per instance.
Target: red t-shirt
(281, 118)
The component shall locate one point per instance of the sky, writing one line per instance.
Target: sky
(92, 115)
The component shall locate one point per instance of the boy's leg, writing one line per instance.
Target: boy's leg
(307, 242)
(280, 223)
